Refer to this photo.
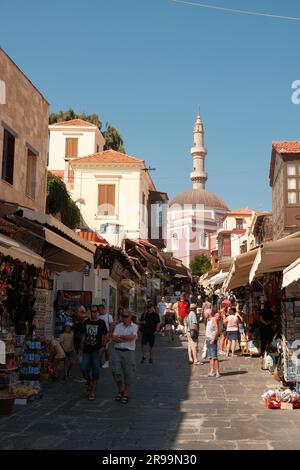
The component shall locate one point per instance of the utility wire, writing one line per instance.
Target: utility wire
(234, 10)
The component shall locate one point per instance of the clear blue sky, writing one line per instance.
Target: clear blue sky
(146, 65)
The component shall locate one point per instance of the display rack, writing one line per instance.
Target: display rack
(291, 339)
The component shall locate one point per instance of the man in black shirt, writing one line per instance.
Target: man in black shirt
(94, 333)
(149, 325)
(266, 326)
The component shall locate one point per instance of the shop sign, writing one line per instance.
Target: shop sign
(43, 319)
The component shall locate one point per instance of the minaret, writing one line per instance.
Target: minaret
(198, 152)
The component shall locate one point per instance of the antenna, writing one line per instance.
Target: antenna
(148, 169)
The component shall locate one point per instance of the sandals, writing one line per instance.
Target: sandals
(92, 397)
(124, 400)
(119, 396)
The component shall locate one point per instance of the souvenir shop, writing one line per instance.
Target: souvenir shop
(26, 317)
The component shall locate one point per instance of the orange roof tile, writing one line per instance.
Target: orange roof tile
(74, 122)
(242, 211)
(285, 146)
(108, 156)
(58, 173)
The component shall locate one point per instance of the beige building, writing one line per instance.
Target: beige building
(235, 237)
(23, 138)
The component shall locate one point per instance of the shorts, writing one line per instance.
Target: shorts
(233, 335)
(70, 354)
(212, 349)
(169, 327)
(148, 339)
(123, 365)
(90, 365)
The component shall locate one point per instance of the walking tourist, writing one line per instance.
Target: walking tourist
(266, 327)
(192, 335)
(67, 343)
(93, 338)
(123, 355)
(222, 315)
(161, 307)
(183, 311)
(169, 322)
(109, 322)
(81, 316)
(211, 338)
(149, 326)
(232, 329)
(57, 356)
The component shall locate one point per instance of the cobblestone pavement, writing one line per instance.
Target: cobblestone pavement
(173, 406)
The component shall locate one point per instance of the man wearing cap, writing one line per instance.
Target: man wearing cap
(123, 356)
(192, 335)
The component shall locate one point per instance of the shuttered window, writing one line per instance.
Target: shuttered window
(31, 174)
(71, 148)
(106, 199)
(8, 157)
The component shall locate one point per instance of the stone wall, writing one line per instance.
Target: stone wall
(25, 112)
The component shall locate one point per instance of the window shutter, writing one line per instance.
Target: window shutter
(106, 199)
(71, 148)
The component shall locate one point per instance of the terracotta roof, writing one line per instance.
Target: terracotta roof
(74, 122)
(199, 196)
(92, 237)
(58, 173)
(245, 211)
(286, 146)
(108, 156)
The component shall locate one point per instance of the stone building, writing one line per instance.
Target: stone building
(23, 138)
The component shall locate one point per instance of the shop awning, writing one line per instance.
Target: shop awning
(218, 278)
(275, 256)
(240, 268)
(73, 258)
(291, 273)
(17, 250)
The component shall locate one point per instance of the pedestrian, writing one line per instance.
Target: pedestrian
(211, 339)
(183, 312)
(149, 326)
(266, 327)
(109, 322)
(94, 333)
(232, 329)
(192, 335)
(207, 305)
(81, 316)
(123, 356)
(223, 313)
(161, 307)
(175, 308)
(67, 343)
(57, 356)
(169, 322)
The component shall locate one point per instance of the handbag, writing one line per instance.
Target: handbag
(194, 335)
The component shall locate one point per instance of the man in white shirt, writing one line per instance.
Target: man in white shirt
(123, 356)
(161, 307)
(109, 321)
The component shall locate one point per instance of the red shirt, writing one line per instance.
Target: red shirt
(183, 308)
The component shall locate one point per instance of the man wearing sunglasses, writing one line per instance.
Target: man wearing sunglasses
(123, 357)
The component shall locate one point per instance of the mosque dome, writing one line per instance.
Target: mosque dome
(199, 196)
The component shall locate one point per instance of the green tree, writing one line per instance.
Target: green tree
(200, 265)
(113, 138)
(59, 202)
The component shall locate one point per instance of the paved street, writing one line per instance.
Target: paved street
(174, 406)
